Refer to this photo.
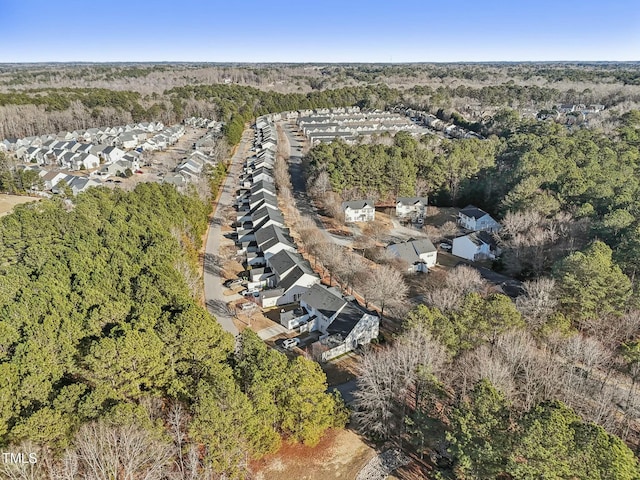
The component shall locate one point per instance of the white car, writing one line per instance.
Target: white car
(289, 343)
(251, 291)
(445, 246)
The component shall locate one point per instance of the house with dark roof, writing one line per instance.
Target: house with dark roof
(292, 276)
(265, 216)
(411, 207)
(343, 323)
(359, 211)
(272, 240)
(420, 255)
(111, 154)
(476, 246)
(475, 219)
(262, 198)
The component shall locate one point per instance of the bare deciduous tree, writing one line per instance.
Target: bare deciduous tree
(128, 452)
(465, 279)
(320, 185)
(385, 286)
(390, 378)
(538, 302)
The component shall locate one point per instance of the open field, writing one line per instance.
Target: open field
(340, 456)
(7, 202)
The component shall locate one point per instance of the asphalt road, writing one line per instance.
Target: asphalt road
(298, 181)
(216, 302)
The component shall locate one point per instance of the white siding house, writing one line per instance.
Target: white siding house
(420, 255)
(359, 211)
(475, 246)
(415, 207)
(475, 219)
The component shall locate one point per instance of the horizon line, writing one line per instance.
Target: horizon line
(242, 62)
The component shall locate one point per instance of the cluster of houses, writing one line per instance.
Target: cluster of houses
(278, 276)
(200, 122)
(477, 243)
(84, 158)
(325, 125)
(85, 149)
(579, 108)
(434, 123)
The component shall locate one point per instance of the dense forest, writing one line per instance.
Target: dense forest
(100, 332)
(49, 98)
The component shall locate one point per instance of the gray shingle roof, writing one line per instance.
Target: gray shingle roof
(271, 235)
(285, 260)
(346, 321)
(292, 277)
(411, 200)
(357, 204)
(263, 215)
(478, 238)
(323, 300)
(268, 186)
(473, 212)
(410, 251)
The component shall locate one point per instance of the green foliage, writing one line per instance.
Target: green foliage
(480, 433)
(392, 171)
(489, 440)
(306, 410)
(552, 442)
(477, 321)
(95, 321)
(591, 285)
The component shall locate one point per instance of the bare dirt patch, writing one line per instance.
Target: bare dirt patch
(7, 202)
(340, 455)
(438, 216)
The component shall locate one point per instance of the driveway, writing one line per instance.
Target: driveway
(213, 290)
(346, 390)
(273, 331)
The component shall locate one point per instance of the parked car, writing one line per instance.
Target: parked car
(445, 246)
(232, 282)
(251, 291)
(289, 343)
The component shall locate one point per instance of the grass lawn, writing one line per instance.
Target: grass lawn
(7, 202)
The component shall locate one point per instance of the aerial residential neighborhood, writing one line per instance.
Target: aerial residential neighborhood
(277, 277)
(316, 241)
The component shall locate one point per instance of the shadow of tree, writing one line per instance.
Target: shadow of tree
(212, 264)
(219, 307)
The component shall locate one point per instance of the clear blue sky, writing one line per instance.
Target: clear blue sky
(319, 30)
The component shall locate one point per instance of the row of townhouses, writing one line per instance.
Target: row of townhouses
(325, 127)
(434, 123)
(280, 275)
